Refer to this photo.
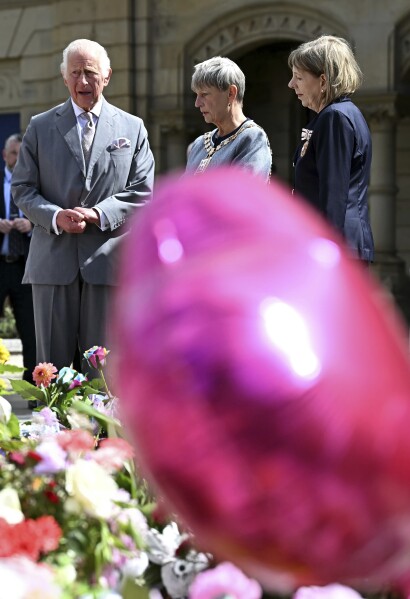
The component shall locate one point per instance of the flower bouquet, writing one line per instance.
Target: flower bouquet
(76, 520)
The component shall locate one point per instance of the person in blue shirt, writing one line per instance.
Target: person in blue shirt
(332, 162)
(15, 234)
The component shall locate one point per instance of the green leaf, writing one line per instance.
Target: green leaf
(14, 426)
(96, 384)
(85, 408)
(10, 368)
(131, 590)
(28, 391)
(11, 445)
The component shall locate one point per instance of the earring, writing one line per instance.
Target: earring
(323, 91)
(229, 105)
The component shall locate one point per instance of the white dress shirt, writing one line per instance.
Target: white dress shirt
(81, 122)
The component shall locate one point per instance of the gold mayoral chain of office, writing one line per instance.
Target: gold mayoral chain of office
(210, 149)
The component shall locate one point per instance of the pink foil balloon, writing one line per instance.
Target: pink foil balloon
(264, 379)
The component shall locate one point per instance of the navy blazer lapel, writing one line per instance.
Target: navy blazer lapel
(66, 123)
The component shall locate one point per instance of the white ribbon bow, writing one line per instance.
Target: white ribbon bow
(306, 134)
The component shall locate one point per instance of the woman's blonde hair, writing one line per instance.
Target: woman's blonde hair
(333, 57)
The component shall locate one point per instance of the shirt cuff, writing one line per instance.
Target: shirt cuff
(56, 230)
(104, 224)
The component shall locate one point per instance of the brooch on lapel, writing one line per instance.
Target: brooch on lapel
(306, 135)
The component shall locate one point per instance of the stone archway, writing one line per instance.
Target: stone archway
(256, 25)
(259, 38)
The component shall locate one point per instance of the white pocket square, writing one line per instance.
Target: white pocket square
(120, 142)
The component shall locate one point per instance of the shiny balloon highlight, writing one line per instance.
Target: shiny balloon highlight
(264, 379)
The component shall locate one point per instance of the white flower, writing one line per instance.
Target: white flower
(135, 567)
(92, 488)
(5, 410)
(133, 517)
(10, 508)
(178, 575)
(162, 547)
(77, 420)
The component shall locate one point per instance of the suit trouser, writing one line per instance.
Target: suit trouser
(69, 317)
(21, 303)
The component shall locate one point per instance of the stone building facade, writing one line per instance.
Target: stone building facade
(153, 45)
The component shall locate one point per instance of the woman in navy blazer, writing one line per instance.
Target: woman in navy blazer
(332, 162)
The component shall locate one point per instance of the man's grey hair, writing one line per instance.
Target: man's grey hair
(14, 137)
(90, 46)
(219, 72)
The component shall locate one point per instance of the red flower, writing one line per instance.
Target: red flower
(33, 455)
(51, 496)
(29, 537)
(44, 373)
(49, 533)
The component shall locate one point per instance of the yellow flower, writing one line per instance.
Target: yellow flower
(37, 484)
(3, 385)
(4, 352)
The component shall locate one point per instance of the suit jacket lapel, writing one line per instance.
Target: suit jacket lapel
(66, 123)
(103, 133)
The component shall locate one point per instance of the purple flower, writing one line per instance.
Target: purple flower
(96, 356)
(225, 579)
(53, 457)
(77, 381)
(49, 417)
(70, 378)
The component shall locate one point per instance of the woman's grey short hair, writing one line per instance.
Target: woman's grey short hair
(89, 46)
(333, 57)
(219, 72)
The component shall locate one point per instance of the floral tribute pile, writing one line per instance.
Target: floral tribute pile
(76, 520)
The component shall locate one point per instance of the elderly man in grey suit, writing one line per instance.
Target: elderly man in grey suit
(83, 169)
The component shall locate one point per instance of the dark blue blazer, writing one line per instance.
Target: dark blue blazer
(25, 236)
(332, 172)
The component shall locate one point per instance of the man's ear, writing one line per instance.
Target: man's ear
(108, 77)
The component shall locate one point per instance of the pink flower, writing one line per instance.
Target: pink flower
(25, 578)
(96, 355)
(44, 373)
(112, 453)
(331, 591)
(225, 579)
(76, 441)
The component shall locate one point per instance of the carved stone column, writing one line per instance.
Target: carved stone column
(380, 112)
(169, 144)
(382, 115)
(383, 189)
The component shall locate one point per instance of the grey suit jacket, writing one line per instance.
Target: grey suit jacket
(50, 174)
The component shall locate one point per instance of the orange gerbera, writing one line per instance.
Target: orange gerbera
(44, 373)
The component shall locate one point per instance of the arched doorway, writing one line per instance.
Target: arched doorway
(259, 38)
(270, 102)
